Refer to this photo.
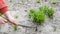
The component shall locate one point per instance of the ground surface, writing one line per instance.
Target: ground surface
(21, 9)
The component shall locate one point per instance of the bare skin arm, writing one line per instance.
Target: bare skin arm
(10, 18)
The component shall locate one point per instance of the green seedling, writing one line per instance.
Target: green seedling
(54, 1)
(44, 9)
(55, 28)
(16, 16)
(38, 1)
(0, 14)
(50, 12)
(37, 16)
(22, 0)
(47, 10)
(15, 27)
(32, 11)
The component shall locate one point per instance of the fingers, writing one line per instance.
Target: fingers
(14, 22)
(2, 22)
(5, 20)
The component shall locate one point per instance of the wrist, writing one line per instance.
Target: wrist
(7, 15)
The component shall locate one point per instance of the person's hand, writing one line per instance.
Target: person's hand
(13, 21)
(2, 20)
(10, 18)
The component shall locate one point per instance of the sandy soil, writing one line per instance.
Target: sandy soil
(21, 9)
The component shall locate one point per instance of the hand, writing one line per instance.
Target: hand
(2, 20)
(10, 18)
(13, 21)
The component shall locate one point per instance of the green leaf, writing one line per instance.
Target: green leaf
(0, 14)
(32, 12)
(37, 16)
(50, 12)
(47, 10)
(55, 28)
(44, 9)
(38, 1)
(15, 27)
(54, 1)
(16, 16)
(22, 0)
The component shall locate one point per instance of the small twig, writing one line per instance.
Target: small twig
(36, 28)
(20, 24)
(26, 26)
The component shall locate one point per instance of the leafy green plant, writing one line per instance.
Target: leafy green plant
(40, 15)
(15, 27)
(47, 10)
(32, 11)
(44, 9)
(37, 16)
(50, 12)
(53, 1)
(38, 1)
